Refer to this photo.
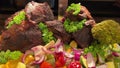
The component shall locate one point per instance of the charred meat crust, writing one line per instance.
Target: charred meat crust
(38, 12)
(58, 30)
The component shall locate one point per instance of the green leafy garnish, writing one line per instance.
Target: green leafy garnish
(17, 19)
(117, 62)
(8, 55)
(47, 35)
(74, 7)
(73, 26)
(98, 49)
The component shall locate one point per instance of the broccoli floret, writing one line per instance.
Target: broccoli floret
(107, 32)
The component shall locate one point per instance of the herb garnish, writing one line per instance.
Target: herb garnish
(47, 35)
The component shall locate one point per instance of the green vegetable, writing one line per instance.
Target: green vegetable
(97, 49)
(115, 47)
(73, 26)
(47, 35)
(117, 62)
(75, 8)
(107, 32)
(8, 55)
(17, 19)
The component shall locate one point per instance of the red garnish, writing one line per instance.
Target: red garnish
(45, 64)
(75, 64)
(60, 60)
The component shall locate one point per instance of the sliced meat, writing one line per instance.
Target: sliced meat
(19, 37)
(59, 32)
(38, 12)
(83, 37)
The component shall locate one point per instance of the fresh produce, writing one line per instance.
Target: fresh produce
(60, 59)
(55, 55)
(45, 64)
(75, 64)
(9, 55)
(96, 49)
(107, 32)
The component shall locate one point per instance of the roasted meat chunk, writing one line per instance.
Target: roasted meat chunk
(21, 37)
(58, 30)
(83, 37)
(38, 12)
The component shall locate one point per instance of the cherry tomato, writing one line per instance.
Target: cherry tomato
(75, 64)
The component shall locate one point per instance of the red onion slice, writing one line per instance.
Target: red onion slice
(68, 55)
(77, 54)
(40, 60)
(116, 54)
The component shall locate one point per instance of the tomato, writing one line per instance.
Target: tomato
(75, 64)
(59, 59)
(45, 64)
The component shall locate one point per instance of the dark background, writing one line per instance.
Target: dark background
(102, 9)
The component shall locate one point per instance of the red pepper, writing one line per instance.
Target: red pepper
(45, 64)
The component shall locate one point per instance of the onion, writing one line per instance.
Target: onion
(68, 55)
(40, 60)
(77, 54)
(90, 61)
(115, 54)
(102, 66)
(59, 49)
(100, 59)
(57, 44)
(47, 51)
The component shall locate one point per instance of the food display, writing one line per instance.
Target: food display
(33, 38)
